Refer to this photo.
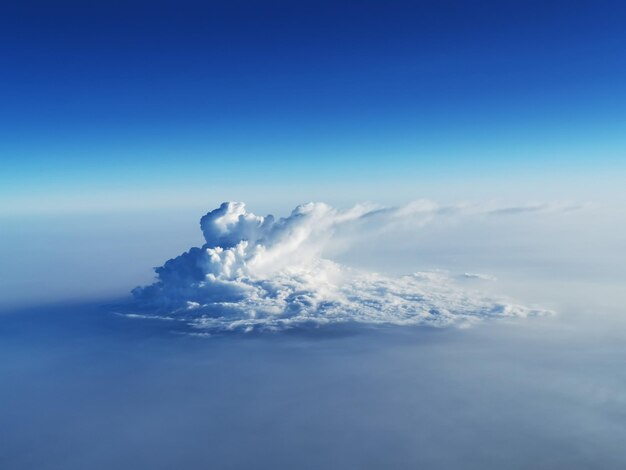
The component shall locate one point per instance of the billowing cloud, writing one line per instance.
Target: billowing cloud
(258, 272)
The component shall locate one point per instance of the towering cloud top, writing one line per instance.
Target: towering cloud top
(230, 223)
(257, 272)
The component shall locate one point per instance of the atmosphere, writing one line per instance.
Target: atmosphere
(121, 105)
(325, 235)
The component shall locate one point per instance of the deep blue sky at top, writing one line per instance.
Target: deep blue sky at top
(140, 93)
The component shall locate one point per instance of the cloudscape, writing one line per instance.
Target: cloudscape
(312, 235)
(259, 272)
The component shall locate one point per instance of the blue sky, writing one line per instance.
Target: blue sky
(122, 122)
(134, 97)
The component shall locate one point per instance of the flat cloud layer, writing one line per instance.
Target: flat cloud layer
(259, 273)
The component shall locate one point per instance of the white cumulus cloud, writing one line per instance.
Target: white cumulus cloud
(258, 273)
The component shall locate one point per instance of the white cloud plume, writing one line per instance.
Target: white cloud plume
(257, 272)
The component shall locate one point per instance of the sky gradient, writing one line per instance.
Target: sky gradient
(314, 235)
(111, 105)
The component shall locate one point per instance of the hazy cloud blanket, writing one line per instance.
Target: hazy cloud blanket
(257, 272)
